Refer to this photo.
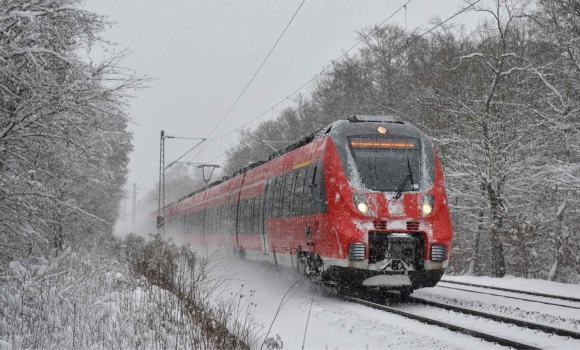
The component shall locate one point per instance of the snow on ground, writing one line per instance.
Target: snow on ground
(528, 285)
(333, 323)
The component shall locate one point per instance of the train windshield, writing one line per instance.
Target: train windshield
(388, 165)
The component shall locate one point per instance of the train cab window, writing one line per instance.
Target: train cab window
(287, 197)
(298, 192)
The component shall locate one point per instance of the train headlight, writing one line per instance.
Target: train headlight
(427, 207)
(363, 207)
(360, 201)
(382, 130)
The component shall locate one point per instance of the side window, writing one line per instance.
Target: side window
(318, 191)
(277, 199)
(250, 213)
(256, 214)
(270, 197)
(309, 190)
(298, 192)
(241, 216)
(220, 221)
(245, 216)
(287, 196)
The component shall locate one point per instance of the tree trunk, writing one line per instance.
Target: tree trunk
(497, 255)
(474, 263)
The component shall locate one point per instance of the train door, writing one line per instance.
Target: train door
(311, 203)
(264, 218)
(234, 208)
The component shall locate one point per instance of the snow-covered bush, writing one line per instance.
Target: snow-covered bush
(92, 299)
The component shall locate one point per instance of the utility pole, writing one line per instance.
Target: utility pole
(161, 204)
(125, 216)
(162, 168)
(134, 213)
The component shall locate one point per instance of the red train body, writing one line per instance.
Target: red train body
(363, 202)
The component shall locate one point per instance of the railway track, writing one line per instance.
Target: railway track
(555, 297)
(559, 297)
(435, 322)
(498, 318)
(399, 309)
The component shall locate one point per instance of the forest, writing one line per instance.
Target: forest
(64, 143)
(502, 104)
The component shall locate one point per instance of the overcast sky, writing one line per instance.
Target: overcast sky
(202, 53)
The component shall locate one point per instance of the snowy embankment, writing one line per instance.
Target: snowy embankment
(94, 299)
(302, 313)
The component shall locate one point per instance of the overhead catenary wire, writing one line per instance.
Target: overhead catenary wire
(257, 71)
(306, 83)
(397, 51)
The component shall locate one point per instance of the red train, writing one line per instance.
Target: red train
(362, 202)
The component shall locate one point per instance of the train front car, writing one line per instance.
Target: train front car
(387, 207)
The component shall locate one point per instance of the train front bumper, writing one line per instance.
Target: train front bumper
(357, 277)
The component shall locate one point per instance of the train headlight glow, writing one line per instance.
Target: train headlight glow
(382, 130)
(363, 207)
(427, 207)
(360, 201)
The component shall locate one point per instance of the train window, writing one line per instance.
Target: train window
(287, 197)
(198, 222)
(249, 209)
(266, 198)
(241, 213)
(256, 215)
(217, 219)
(247, 222)
(248, 214)
(319, 192)
(309, 189)
(277, 198)
(298, 192)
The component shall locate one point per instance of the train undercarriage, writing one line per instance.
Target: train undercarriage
(395, 262)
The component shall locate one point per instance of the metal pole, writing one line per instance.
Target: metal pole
(161, 202)
(125, 217)
(134, 214)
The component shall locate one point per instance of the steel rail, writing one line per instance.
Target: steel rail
(451, 327)
(510, 297)
(498, 318)
(514, 291)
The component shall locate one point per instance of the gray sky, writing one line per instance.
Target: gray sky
(203, 52)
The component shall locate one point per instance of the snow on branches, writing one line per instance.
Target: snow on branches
(63, 138)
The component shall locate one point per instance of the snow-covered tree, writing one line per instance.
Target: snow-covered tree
(63, 138)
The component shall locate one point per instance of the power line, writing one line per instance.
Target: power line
(308, 82)
(398, 51)
(258, 70)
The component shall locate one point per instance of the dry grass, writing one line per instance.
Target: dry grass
(144, 296)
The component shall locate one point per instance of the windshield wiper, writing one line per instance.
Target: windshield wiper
(407, 178)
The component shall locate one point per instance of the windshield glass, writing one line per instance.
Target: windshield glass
(388, 165)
